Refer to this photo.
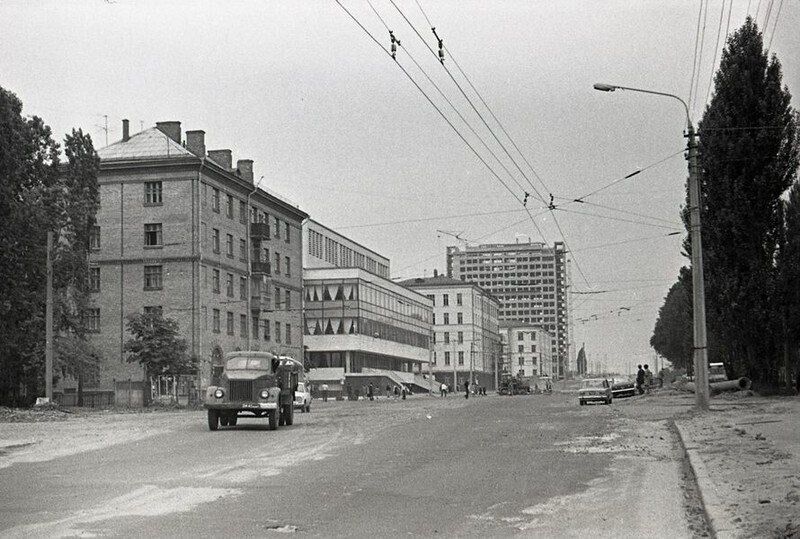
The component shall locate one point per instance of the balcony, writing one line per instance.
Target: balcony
(260, 302)
(259, 267)
(259, 231)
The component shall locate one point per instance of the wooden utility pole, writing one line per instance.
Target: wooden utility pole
(48, 324)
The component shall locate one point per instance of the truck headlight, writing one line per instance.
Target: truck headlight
(219, 393)
(264, 394)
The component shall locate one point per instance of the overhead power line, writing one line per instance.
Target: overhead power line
(716, 49)
(694, 56)
(425, 219)
(775, 25)
(620, 219)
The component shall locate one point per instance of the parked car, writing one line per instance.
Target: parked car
(622, 387)
(302, 397)
(595, 390)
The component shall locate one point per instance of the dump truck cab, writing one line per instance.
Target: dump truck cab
(254, 384)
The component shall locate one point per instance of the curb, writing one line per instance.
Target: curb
(716, 516)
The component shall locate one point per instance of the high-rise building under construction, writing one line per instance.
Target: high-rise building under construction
(528, 279)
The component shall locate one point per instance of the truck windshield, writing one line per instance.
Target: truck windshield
(247, 363)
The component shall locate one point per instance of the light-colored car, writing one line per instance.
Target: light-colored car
(622, 387)
(302, 397)
(595, 390)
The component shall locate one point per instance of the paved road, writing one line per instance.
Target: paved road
(534, 465)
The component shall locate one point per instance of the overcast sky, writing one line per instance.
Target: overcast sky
(338, 129)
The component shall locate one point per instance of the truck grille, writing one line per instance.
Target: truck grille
(241, 390)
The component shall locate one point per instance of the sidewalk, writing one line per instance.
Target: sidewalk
(745, 454)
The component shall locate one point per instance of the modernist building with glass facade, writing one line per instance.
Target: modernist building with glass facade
(528, 279)
(356, 320)
(326, 248)
(527, 350)
(185, 232)
(466, 334)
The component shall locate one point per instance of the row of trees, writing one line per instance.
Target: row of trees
(750, 204)
(39, 191)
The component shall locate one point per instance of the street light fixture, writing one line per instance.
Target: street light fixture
(698, 282)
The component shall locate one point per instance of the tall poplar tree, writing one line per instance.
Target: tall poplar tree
(748, 159)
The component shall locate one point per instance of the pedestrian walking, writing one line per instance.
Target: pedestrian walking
(396, 392)
(640, 380)
(371, 392)
(324, 392)
(403, 393)
(443, 390)
(466, 389)
(648, 378)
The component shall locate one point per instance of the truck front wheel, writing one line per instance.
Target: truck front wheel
(213, 420)
(272, 415)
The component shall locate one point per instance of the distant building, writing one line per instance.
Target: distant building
(527, 350)
(178, 231)
(466, 336)
(528, 279)
(326, 248)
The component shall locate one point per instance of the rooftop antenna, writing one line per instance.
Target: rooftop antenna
(104, 127)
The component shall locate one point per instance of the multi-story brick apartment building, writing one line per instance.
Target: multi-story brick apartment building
(182, 231)
(529, 280)
(466, 336)
(527, 350)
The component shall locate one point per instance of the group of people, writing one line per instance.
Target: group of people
(391, 390)
(644, 379)
(444, 389)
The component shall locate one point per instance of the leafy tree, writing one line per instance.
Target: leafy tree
(789, 283)
(748, 159)
(672, 335)
(76, 356)
(156, 346)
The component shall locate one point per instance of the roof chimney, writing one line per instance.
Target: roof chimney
(223, 158)
(245, 169)
(126, 134)
(171, 129)
(196, 142)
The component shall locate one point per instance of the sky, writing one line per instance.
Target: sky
(337, 128)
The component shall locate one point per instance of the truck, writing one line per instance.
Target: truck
(254, 384)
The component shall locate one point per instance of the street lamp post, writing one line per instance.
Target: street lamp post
(698, 282)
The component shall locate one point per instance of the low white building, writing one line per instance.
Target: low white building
(466, 336)
(527, 350)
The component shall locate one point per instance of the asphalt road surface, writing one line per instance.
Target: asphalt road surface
(490, 466)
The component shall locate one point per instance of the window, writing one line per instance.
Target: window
(152, 235)
(520, 348)
(243, 325)
(446, 318)
(459, 299)
(447, 358)
(243, 288)
(277, 228)
(255, 327)
(229, 285)
(433, 319)
(460, 318)
(433, 299)
(242, 250)
(288, 300)
(277, 299)
(152, 193)
(215, 200)
(533, 348)
(433, 337)
(287, 235)
(229, 246)
(215, 321)
(520, 336)
(446, 337)
(277, 269)
(153, 309)
(94, 238)
(461, 336)
(445, 299)
(521, 361)
(287, 262)
(153, 277)
(93, 320)
(94, 279)
(277, 332)
(215, 240)
(265, 325)
(242, 212)
(215, 281)
(461, 358)
(288, 334)
(229, 207)
(433, 360)
(230, 323)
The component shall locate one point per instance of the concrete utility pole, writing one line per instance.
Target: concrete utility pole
(48, 324)
(695, 230)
